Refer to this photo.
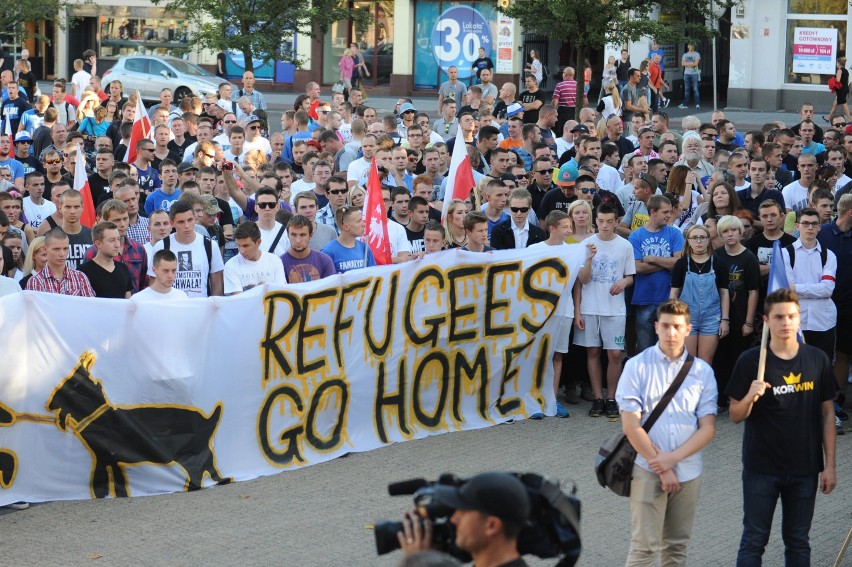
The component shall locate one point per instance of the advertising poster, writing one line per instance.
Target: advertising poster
(451, 36)
(505, 45)
(815, 50)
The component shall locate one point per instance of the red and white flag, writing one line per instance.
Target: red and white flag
(460, 180)
(81, 184)
(376, 218)
(11, 138)
(141, 129)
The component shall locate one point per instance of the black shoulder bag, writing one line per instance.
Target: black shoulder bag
(614, 462)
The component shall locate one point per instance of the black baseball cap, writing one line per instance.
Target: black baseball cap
(494, 493)
(580, 128)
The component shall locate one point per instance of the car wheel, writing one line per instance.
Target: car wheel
(180, 93)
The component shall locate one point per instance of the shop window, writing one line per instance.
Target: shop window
(822, 7)
(804, 63)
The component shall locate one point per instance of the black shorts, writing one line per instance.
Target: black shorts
(823, 340)
(844, 333)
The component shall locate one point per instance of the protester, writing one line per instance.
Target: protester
(253, 266)
(164, 265)
(57, 276)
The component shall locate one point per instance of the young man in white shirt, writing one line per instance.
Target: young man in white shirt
(252, 266)
(558, 226)
(198, 259)
(600, 312)
(273, 234)
(36, 208)
(796, 193)
(165, 272)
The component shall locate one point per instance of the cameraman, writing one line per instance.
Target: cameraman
(490, 510)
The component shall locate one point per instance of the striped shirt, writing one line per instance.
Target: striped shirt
(139, 232)
(254, 96)
(566, 93)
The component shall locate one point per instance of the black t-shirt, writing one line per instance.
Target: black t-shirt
(434, 214)
(500, 109)
(783, 433)
(416, 239)
(531, 116)
(554, 200)
(181, 148)
(679, 271)
(113, 284)
(482, 63)
(78, 245)
(762, 248)
(172, 156)
(98, 186)
(743, 273)
(226, 216)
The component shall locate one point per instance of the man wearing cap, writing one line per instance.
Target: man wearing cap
(254, 141)
(531, 99)
(561, 197)
(23, 143)
(407, 112)
(490, 510)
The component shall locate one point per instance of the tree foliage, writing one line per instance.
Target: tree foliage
(260, 28)
(595, 23)
(13, 15)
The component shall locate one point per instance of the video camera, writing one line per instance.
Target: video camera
(552, 530)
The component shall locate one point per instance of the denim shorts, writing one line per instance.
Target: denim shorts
(706, 323)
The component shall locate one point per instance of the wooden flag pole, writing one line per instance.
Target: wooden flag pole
(764, 345)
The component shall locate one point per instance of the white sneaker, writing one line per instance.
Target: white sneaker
(18, 506)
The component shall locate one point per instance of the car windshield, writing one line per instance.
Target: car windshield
(188, 68)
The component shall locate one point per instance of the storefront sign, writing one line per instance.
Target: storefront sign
(505, 45)
(107, 397)
(451, 35)
(815, 50)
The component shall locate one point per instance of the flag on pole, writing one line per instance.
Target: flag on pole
(460, 180)
(141, 129)
(11, 138)
(81, 184)
(778, 276)
(376, 218)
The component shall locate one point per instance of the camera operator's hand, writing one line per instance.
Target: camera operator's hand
(416, 535)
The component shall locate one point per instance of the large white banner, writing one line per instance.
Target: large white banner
(102, 397)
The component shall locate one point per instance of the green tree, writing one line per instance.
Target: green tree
(13, 16)
(595, 23)
(259, 28)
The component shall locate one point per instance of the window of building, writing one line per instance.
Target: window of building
(811, 51)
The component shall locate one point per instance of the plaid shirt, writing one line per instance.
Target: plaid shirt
(255, 97)
(139, 231)
(73, 283)
(134, 257)
(326, 216)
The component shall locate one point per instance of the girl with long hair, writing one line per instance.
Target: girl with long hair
(35, 260)
(681, 183)
(580, 215)
(456, 212)
(697, 282)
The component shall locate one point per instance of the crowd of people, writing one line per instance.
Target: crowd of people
(218, 200)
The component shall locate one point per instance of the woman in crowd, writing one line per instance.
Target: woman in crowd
(34, 262)
(580, 215)
(534, 66)
(842, 90)
(608, 75)
(94, 126)
(696, 281)
(742, 271)
(346, 66)
(356, 197)
(15, 243)
(87, 106)
(747, 219)
(723, 201)
(681, 183)
(610, 103)
(456, 236)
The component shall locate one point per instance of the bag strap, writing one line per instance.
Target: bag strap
(667, 397)
(277, 239)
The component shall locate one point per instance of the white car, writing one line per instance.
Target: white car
(149, 75)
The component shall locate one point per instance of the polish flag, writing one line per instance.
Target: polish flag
(141, 129)
(460, 180)
(81, 184)
(11, 139)
(376, 218)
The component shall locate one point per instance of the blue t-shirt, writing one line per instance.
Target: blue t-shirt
(149, 179)
(31, 120)
(160, 201)
(346, 259)
(15, 166)
(654, 288)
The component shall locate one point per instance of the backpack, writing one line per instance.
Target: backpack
(208, 249)
(823, 255)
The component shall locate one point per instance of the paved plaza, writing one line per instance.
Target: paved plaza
(318, 516)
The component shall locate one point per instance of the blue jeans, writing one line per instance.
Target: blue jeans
(690, 86)
(760, 494)
(646, 336)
